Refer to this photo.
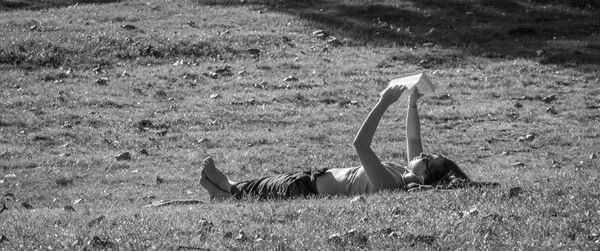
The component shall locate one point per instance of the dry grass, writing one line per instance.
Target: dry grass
(80, 87)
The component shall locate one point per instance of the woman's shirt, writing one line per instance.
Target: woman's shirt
(354, 180)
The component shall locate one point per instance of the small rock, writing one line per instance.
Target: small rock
(540, 52)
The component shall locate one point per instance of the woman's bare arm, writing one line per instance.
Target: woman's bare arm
(413, 127)
(378, 175)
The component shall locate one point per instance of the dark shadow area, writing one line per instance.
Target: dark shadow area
(565, 32)
(12, 5)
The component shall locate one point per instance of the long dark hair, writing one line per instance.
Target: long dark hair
(442, 171)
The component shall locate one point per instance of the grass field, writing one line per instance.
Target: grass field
(251, 84)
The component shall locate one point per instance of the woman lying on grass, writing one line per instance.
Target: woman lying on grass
(423, 171)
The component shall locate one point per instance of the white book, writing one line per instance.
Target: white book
(420, 80)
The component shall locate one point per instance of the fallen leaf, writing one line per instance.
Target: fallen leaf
(64, 181)
(124, 156)
(290, 78)
(514, 191)
(96, 221)
(26, 205)
(333, 41)
(98, 69)
(358, 199)
(102, 81)
(471, 211)
(320, 34)
(69, 208)
(549, 99)
(162, 132)
(254, 52)
(128, 27)
(394, 234)
(528, 137)
(97, 242)
(335, 238)
(9, 196)
(192, 24)
(4, 208)
(241, 236)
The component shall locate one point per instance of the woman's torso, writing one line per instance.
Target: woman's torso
(354, 180)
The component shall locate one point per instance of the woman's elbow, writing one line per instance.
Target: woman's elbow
(358, 144)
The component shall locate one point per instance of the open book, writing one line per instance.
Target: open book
(419, 80)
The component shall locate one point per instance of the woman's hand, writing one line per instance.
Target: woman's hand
(392, 93)
(414, 96)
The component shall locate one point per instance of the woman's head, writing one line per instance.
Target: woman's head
(434, 169)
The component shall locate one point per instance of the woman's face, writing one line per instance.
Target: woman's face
(418, 166)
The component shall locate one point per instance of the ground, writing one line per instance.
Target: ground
(109, 106)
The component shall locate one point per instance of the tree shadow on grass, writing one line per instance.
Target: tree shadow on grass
(12, 5)
(564, 32)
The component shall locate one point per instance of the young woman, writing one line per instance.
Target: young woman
(372, 176)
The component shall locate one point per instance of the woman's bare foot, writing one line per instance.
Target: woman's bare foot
(214, 181)
(214, 191)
